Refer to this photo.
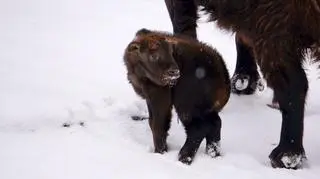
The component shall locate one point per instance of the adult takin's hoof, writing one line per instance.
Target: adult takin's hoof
(287, 158)
(245, 84)
(274, 105)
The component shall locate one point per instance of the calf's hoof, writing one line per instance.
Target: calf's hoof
(161, 149)
(186, 160)
(213, 150)
(186, 156)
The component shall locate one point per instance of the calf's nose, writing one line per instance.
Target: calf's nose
(173, 72)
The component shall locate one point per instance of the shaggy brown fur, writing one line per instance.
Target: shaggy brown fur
(245, 79)
(168, 71)
(281, 32)
(278, 33)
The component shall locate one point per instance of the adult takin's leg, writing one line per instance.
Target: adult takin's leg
(183, 16)
(246, 77)
(282, 68)
(159, 108)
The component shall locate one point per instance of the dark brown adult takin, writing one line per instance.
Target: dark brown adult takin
(280, 33)
(245, 79)
(168, 71)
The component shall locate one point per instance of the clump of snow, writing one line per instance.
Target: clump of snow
(214, 149)
(292, 161)
(242, 83)
(200, 72)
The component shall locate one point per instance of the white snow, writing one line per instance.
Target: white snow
(242, 84)
(214, 150)
(61, 62)
(292, 161)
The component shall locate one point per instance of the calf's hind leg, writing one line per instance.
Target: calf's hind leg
(213, 135)
(207, 126)
(196, 132)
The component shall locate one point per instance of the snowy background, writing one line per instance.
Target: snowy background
(61, 62)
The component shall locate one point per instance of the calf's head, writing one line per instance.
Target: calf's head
(153, 56)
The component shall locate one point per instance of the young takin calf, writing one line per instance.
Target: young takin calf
(168, 71)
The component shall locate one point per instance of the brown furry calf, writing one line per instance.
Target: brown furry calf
(168, 71)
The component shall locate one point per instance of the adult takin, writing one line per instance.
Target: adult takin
(170, 71)
(280, 33)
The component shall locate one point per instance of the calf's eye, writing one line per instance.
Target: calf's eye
(154, 57)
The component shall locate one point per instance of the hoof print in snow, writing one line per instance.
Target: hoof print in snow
(66, 125)
(139, 118)
(82, 124)
(108, 101)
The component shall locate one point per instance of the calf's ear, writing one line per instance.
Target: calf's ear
(133, 47)
(143, 31)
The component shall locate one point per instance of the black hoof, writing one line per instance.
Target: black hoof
(274, 105)
(161, 150)
(186, 160)
(245, 84)
(213, 150)
(186, 157)
(287, 158)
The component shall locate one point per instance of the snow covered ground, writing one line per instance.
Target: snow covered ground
(61, 62)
